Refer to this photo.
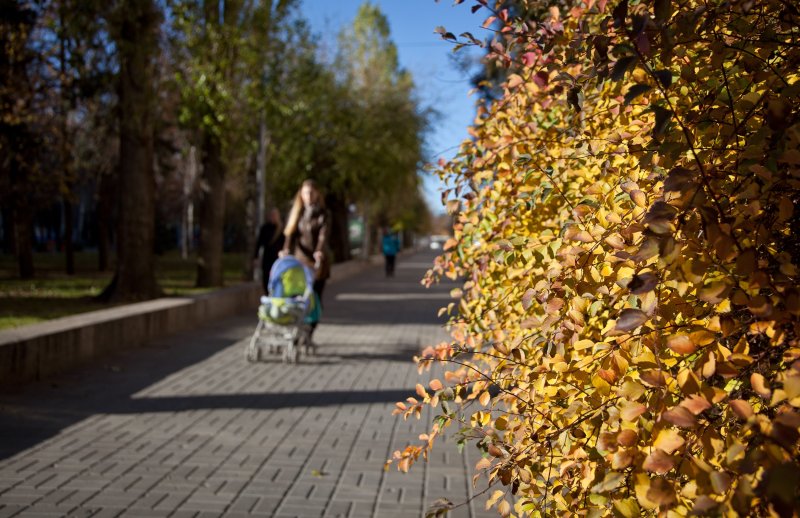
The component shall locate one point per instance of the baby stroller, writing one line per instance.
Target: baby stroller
(286, 315)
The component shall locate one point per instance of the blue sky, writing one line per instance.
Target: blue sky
(440, 83)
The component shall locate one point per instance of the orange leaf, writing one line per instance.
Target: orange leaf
(494, 451)
(696, 404)
(658, 462)
(435, 384)
(654, 378)
(741, 408)
(627, 438)
(484, 463)
(630, 410)
(661, 492)
(681, 344)
(680, 416)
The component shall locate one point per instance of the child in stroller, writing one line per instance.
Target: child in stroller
(285, 316)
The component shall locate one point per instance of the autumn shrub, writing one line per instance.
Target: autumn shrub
(626, 341)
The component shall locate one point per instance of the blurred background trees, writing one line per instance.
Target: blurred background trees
(135, 127)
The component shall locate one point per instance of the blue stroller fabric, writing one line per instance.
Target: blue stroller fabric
(290, 278)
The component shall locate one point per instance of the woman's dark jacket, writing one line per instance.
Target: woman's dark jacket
(312, 235)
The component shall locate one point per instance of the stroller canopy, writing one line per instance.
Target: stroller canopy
(289, 277)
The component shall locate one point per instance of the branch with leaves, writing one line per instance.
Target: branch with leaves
(631, 199)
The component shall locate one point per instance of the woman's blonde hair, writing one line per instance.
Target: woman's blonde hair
(297, 207)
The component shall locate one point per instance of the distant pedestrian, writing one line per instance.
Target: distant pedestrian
(307, 233)
(390, 246)
(269, 244)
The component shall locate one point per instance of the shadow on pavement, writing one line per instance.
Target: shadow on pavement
(259, 401)
(34, 412)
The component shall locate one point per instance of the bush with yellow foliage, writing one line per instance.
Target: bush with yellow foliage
(626, 342)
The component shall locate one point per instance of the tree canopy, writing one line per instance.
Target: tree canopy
(238, 103)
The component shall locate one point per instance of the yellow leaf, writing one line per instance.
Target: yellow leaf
(514, 80)
(759, 385)
(627, 508)
(639, 198)
(642, 486)
(496, 496)
(668, 440)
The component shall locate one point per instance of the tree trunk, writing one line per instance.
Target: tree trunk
(104, 217)
(261, 171)
(366, 243)
(69, 247)
(212, 214)
(102, 243)
(187, 216)
(9, 243)
(256, 209)
(66, 180)
(340, 231)
(23, 237)
(135, 272)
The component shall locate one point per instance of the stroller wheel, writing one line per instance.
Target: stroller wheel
(291, 353)
(252, 354)
(290, 356)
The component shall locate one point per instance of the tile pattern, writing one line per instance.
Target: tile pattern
(185, 427)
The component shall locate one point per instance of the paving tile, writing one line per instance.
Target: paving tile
(186, 427)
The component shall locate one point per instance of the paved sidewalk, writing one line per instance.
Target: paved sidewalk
(186, 427)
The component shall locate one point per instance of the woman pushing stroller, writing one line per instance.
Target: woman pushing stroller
(290, 312)
(307, 234)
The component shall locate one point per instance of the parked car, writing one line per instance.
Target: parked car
(438, 241)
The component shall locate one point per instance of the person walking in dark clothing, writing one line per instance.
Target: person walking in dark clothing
(390, 245)
(269, 244)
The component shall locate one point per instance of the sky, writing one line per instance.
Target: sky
(440, 83)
